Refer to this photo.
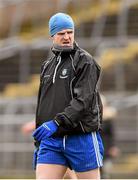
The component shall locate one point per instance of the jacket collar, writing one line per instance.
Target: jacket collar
(59, 50)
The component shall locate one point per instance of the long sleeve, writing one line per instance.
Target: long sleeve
(83, 89)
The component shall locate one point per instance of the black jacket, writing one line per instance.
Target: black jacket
(68, 92)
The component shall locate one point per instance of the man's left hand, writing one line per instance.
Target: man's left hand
(45, 130)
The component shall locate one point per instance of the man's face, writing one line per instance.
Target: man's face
(64, 38)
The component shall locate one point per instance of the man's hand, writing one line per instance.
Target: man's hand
(45, 130)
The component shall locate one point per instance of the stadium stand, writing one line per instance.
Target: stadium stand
(23, 90)
(106, 28)
(126, 54)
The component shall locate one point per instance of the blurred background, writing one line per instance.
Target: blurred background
(108, 29)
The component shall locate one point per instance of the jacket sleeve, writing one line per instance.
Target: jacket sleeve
(83, 88)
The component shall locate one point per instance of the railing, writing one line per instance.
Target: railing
(14, 45)
(17, 149)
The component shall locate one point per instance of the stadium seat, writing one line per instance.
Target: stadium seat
(22, 89)
(113, 55)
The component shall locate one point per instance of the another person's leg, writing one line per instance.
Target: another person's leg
(50, 171)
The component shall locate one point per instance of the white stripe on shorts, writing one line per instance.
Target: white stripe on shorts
(97, 149)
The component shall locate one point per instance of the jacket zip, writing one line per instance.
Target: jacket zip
(72, 63)
(72, 90)
(56, 68)
(98, 109)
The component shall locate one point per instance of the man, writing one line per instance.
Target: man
(69, 110)
(108, 136)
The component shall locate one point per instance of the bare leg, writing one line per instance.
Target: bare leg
(92, 174)
(70, 174)
(50, 171)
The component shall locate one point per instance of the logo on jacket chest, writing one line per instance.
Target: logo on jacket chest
(64, 74)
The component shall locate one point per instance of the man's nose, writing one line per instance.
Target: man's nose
(66, 36)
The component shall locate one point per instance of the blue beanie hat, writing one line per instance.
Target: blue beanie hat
(59, 22)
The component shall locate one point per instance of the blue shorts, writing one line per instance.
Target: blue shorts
(78, 152)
